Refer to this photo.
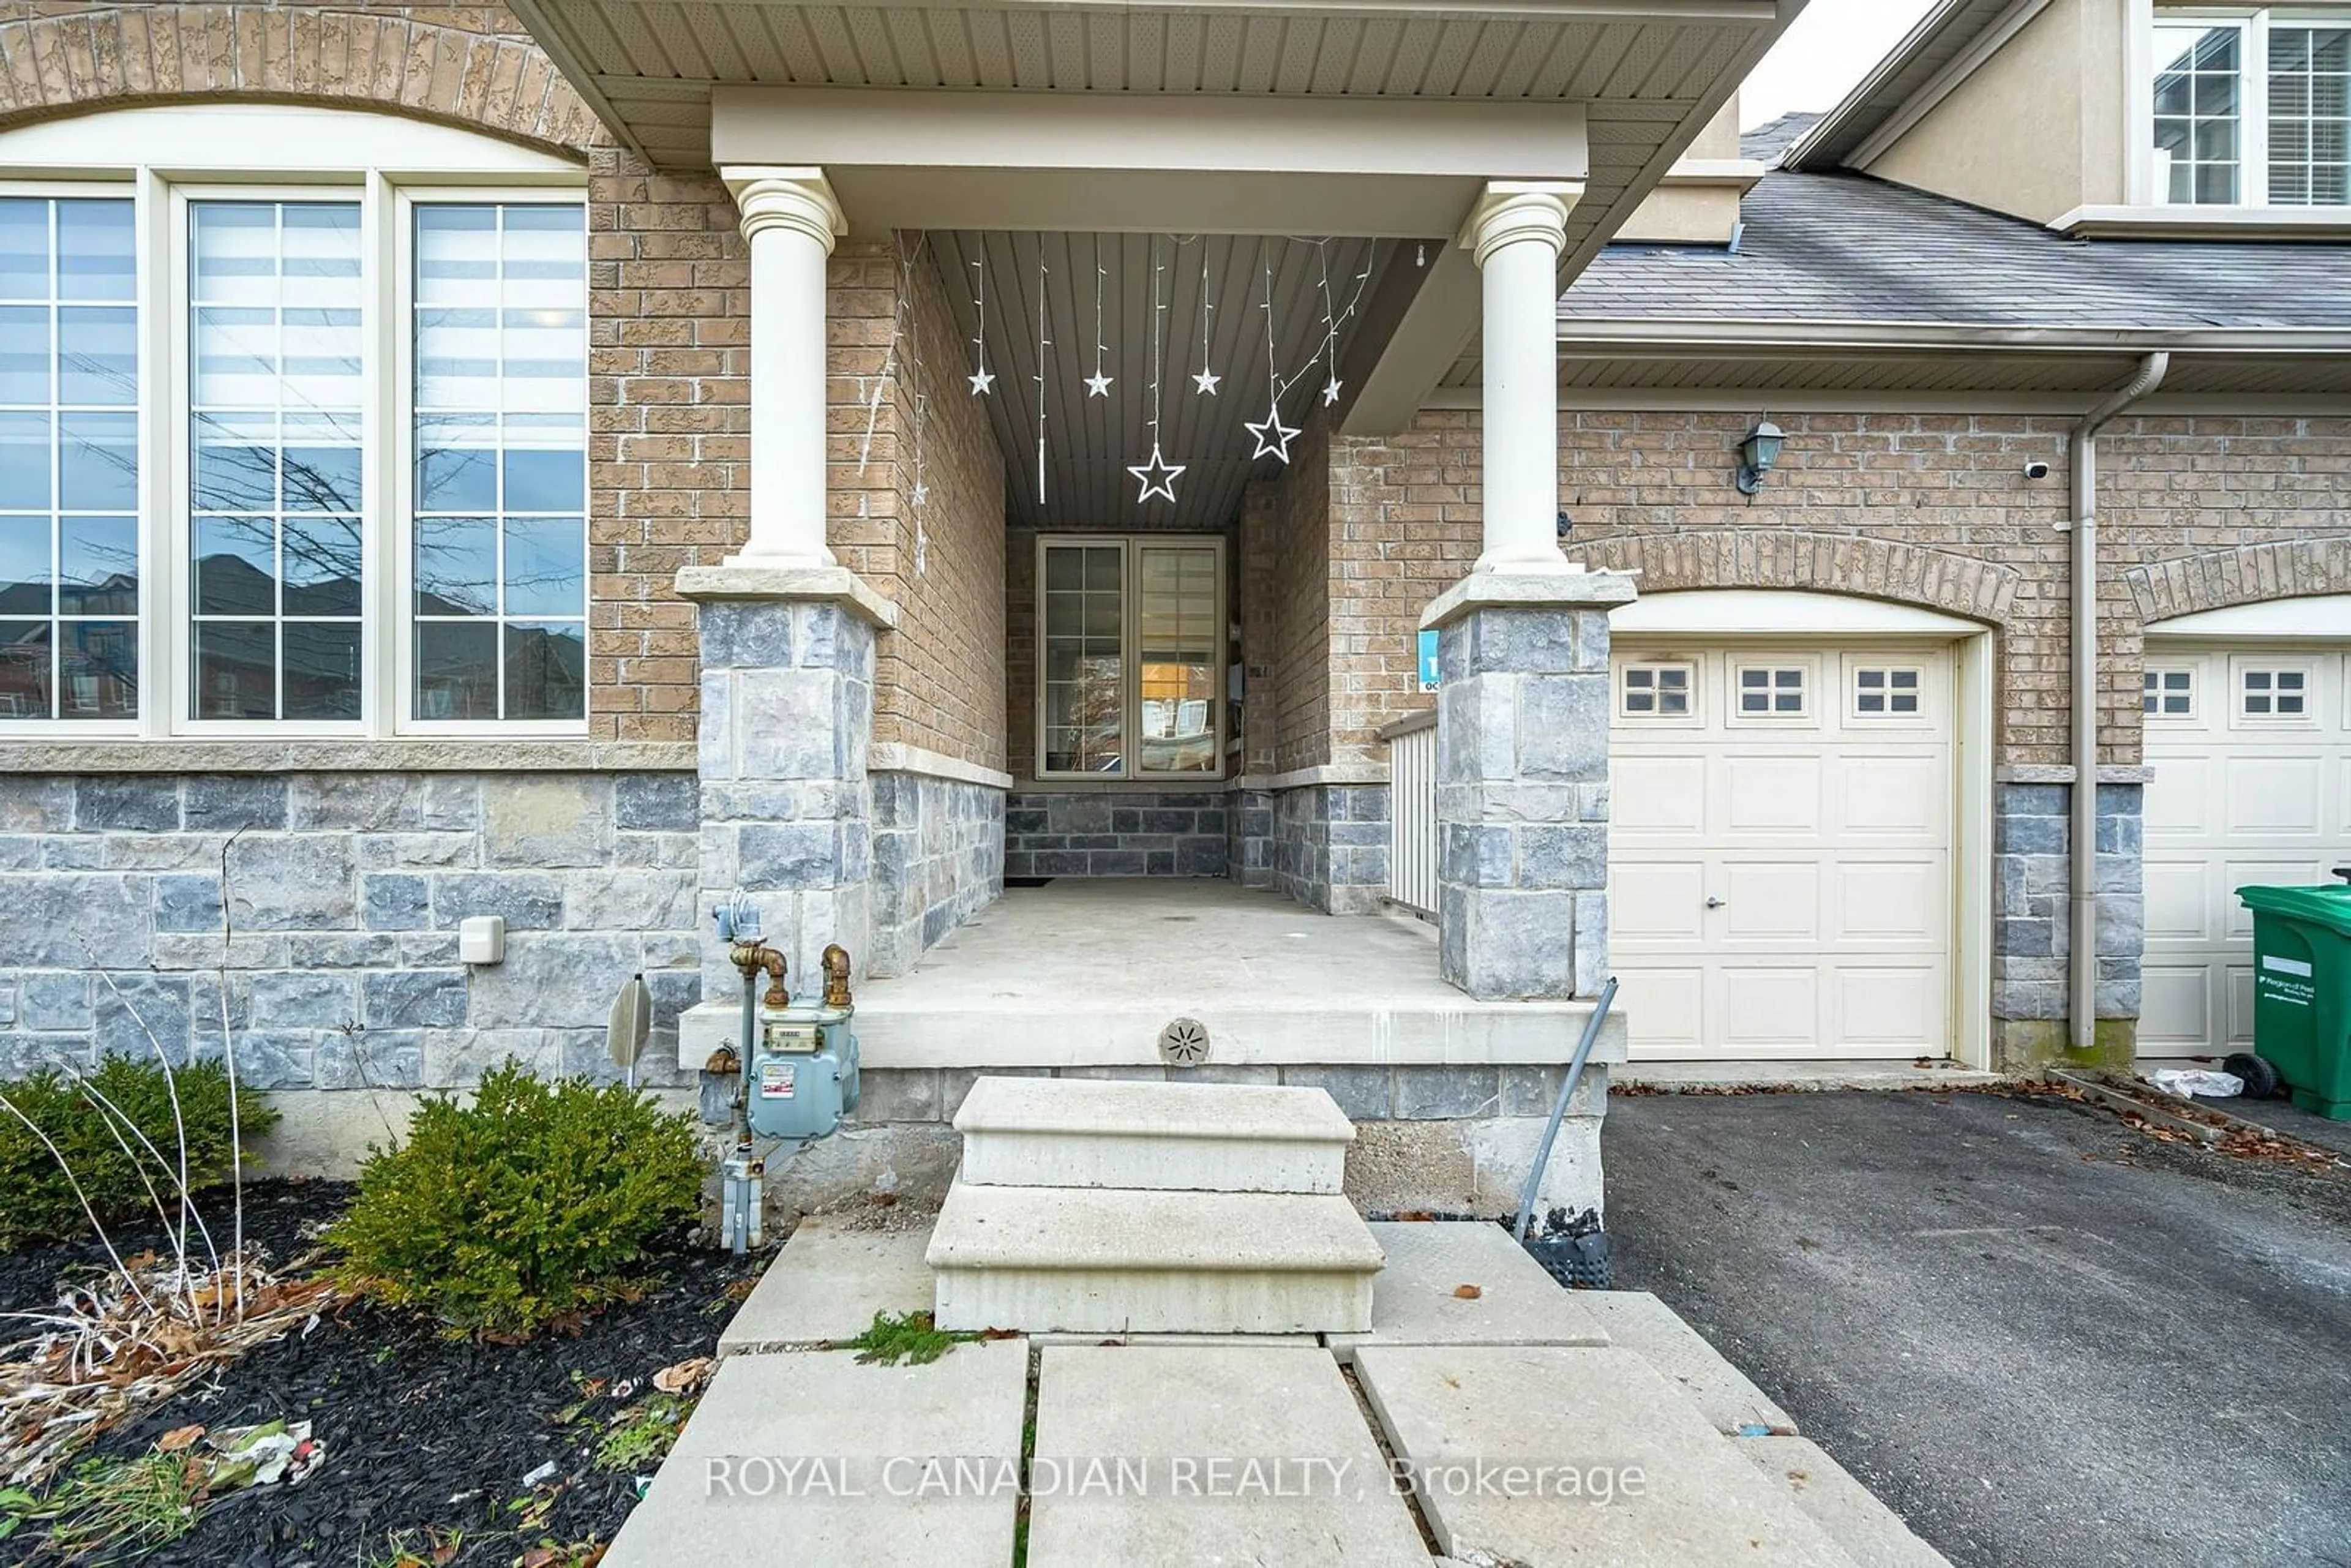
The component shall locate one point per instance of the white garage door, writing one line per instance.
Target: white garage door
(1780, 849)
(2251, 748)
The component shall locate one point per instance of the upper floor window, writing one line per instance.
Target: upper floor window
(2252, 107)
(291, 449)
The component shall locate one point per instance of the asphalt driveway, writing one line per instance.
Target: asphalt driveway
(2043, 1338)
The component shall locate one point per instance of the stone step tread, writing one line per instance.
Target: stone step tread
(1606, 1412)
(1081, 1107)
(1098, 1229)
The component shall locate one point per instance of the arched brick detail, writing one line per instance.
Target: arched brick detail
(1812, 562)
(117, 57)
(2215, 580)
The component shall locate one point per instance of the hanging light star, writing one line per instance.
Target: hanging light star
(1272, 436)
(1331, 392)
(1157, 477)
(1098, 385)
(982, 379)
(981, 383)
(1205, 383)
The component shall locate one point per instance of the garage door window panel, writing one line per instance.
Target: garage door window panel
(1657, 693)
(1776, 693)
(2276, 693)
(2169, 692)
(1885, 695)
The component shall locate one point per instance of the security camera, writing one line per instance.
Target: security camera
(2036, 469)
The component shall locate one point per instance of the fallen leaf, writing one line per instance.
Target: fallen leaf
(683, 1376)
(179, 1438)
(1468, 1293)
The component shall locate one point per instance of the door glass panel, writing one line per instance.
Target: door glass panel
(1176, 611)
(1085, 659)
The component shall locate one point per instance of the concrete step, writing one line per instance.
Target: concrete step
(1113, 1260)
(1197, 1138)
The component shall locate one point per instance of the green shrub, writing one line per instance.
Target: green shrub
(531, 1202)
(37, 1201)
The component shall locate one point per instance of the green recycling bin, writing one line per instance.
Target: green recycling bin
(2301, 995)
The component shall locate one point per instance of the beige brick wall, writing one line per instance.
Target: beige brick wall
(1932, 509)
(1308, 647)
(669, 445)
(940, 677)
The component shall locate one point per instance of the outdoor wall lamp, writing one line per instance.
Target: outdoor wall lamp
(1756, 454)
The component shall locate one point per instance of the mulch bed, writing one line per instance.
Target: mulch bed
(427, 1440)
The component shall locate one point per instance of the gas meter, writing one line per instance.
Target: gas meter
(803, 1068)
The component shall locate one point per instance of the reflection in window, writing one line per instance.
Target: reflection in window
(1085, 662)
(2276, 693)
(1655, 691)
(2198, 111)
(1884, 691)
(1177, 671)
(69, 461)
(1777, 692)
(501, 553)
(275, 399)
(2168, 694)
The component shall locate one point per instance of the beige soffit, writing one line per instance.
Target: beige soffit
(1935, 56)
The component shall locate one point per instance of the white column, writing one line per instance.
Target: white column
(1516, 231)
(791, 218)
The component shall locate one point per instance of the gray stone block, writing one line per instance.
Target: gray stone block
(137, 1015)
(745, 634)
(1362, 1094)
(1533, 1091)
(419, 851)
(2034, 799)
(1590, 943)
(224, 802)
(2015, 835)
(657, 802)
(1426, 1093)
(1514, 945)
(2025, 938)
(552, 981)
(131, 802)
(395, 901)
(359, 950)
(1518, 642)
(785, 725)
(35, 804)
(528, 901)
(60, 922)
(266, 1059)
(54, 1001)
(1562, 724)
(368, 802)
(367, 1060)
(547, 820)
(414, 999)
(788, 855)
(427, 950)
(630, 900)
(293, 882)
(188, 901)
(303, 1001)
(1563, 857)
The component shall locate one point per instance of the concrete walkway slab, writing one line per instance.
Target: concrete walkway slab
(1231, 1456)
(1870, 1531)
(826, 1284)
(1646, 1325)
(1418, 1297)
(807, 1457)
(1546, 1454)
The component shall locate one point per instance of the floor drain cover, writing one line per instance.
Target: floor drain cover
(1183, 1043)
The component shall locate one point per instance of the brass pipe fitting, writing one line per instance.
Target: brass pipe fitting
(836, 976)
(751, 957)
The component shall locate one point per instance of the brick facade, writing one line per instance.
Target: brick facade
(1932, 510)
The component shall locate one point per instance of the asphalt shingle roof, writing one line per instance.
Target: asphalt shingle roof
(1846, 247)
(1768, 140)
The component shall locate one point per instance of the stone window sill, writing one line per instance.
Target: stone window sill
(435, 755)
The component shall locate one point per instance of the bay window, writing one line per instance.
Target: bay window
(2252, 107)
(1130, 650)
(301, 457)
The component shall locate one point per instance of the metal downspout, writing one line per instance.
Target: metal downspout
(2082, 846)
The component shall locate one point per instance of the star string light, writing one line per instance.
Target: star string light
(1043, 343)
(1098, 384)
(1203, 384)
(1273, 437)
(982, 379)
(1158, 475)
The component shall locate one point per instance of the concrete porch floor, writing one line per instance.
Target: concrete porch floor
(1086, 972)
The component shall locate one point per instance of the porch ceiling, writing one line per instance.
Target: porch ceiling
(1089, 440)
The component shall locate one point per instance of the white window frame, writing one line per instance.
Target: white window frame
(2244, 665)
(1919, 717)
(2195, 692)
(262, 153)
(2253, 101)
(1691, 713)
(1806, 716)
(1130, 548)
